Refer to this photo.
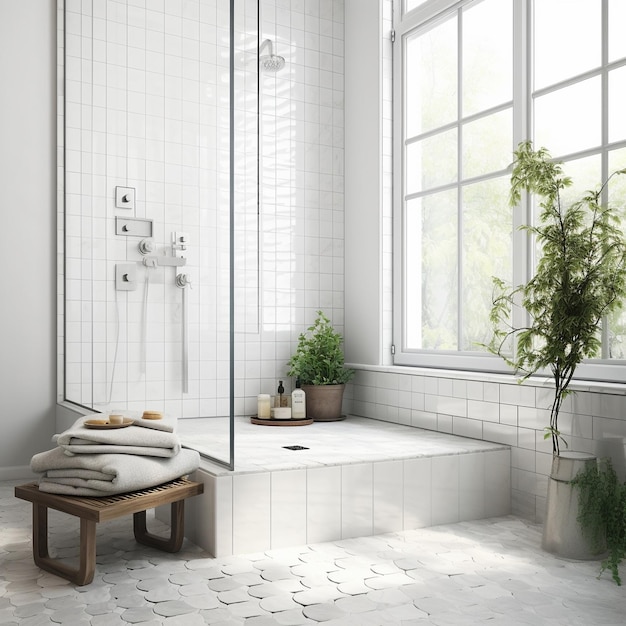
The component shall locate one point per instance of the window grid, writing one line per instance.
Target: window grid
(523, 126)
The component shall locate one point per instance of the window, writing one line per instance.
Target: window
(473, 79)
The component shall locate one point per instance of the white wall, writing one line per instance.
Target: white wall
(27, 223)
(363, 182)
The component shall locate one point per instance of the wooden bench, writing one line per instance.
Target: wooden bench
(92, 510)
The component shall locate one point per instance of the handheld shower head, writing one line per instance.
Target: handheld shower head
(270, 62)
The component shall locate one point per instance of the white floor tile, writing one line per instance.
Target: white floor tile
(489, 571)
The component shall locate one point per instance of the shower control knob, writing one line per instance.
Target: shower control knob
(182, 281)
(146, 246)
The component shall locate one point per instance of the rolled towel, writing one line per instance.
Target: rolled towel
(135, 440)
(108, 474)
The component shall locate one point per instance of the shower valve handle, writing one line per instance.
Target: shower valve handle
(183, 280)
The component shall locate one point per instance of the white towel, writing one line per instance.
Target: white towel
(135, 440)
(108, 474)
(162, 424)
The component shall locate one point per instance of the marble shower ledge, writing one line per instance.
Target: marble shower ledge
(490, 377)
(261, 449)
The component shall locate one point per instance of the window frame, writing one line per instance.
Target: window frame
(424, 17)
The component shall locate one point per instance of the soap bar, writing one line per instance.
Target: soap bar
(152, 415)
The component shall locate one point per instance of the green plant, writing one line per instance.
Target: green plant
(602, 512)
(319, 359)
(579, 279)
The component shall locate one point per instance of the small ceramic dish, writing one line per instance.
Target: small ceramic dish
(104, 424)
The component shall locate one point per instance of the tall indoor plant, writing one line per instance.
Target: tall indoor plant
(318, 363)
(579, 279)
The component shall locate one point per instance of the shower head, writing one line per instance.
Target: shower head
(270, 62)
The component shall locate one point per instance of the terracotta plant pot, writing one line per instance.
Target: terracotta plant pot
(323, 402)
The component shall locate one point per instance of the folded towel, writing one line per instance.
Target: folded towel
(163, 424)
(135, 440)
(107, 474)
(167, 424)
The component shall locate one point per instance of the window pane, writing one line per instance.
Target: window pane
(569, 119)
(487, 55)
(617, 104)
(487, 144)
(617, 19)
(409, 5)
(567, 39)
(431, 162)
(487, 252)
(431, 272)
(585, 173)
(431, 78)
(617, 195)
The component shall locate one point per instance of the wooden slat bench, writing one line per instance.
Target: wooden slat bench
(92, 510)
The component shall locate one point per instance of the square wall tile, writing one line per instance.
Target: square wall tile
(466, 427)
(388, 496)
(472, 486)
(209, 516)
(445, 489)
(288, 508)
(323, 500)
(417, 489)
(497, 483)
(356, 500)
(251, 512)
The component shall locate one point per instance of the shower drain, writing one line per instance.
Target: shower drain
(295, 448)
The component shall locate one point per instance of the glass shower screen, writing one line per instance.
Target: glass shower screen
(149, 134)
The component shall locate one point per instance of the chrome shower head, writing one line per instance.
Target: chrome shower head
(270, 62)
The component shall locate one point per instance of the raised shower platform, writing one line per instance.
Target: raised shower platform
(354, 478)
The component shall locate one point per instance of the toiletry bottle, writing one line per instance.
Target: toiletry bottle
(282, 399)
(298, 402)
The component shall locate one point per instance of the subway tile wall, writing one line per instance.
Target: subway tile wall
(146, 106)
(301, 189)
(257, 511)
(500, 410)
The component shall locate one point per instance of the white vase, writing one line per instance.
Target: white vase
(562, 533)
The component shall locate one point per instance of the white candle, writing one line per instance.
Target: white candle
(263, 405)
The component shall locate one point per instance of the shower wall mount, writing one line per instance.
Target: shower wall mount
(133, 226)
(126, 276)
(178, 247)
(124, 197)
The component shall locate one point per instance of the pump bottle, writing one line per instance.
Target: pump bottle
(298, 402)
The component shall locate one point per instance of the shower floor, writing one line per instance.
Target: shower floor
(353, 478)
(353, 440)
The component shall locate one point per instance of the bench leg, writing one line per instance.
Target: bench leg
(177, 529)
(82, 575)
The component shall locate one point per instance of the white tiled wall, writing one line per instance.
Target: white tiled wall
(301, 188)
(498, 410)
(252, 512)
(147, 107)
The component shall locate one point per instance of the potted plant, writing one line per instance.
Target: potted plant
(579, 279)
(318, 363)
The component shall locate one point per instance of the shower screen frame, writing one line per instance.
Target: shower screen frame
(63, 398)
